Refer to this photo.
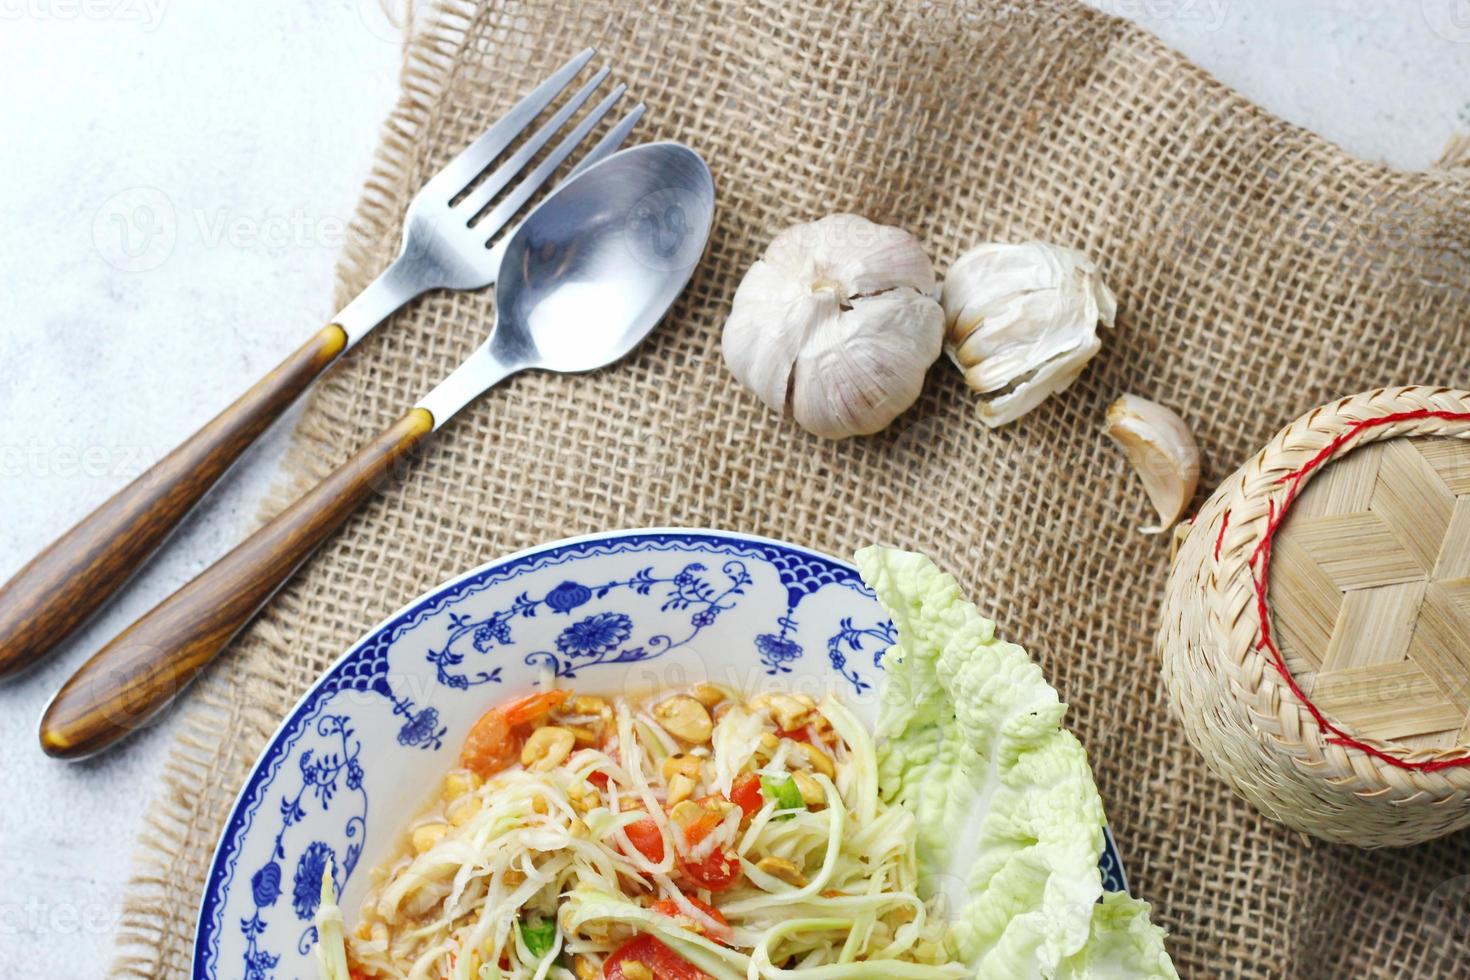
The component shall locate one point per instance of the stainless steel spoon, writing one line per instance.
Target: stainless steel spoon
(584, 279)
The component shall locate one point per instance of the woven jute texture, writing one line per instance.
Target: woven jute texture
(1259, 272)
(1315, 632)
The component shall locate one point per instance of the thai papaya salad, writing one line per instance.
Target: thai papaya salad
(703, 834)
(695, 834)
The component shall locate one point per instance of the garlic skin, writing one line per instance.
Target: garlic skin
(836, 325)
(1022, 322)
(1162, 450)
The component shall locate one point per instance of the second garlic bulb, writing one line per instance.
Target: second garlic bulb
(1022, 322)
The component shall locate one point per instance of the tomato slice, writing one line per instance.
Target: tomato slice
(662, 962)
(746, 793)
(717, 872)
(645, 835)
(669, 907)
(490, 746)
(533, 707)
(598, 779)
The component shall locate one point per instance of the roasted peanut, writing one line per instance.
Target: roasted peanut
(584, 968)
(582, 798)
(590, 706)
(782, 869)
(547, 748)
(684, 814)
(709, 695)
(458, 783)
(765, 750)
(684, 718)
(462, 810)
(818, 760)
(633, 970)
(786, 711)
(586, 737)
(681, 787)
(680, 764)
(428, 835)
(811, 790)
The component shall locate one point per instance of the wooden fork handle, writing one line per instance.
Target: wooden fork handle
(143, 669)
(63, 585)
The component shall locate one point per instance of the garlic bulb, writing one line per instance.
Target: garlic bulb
(836, 325)
(1162, 450)
(1022, 322)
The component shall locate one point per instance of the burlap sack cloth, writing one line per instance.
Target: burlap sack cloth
(1259, 272)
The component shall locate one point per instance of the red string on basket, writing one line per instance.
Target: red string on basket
(1260, 566)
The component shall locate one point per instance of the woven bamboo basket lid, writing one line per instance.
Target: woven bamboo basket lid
(1316, 630)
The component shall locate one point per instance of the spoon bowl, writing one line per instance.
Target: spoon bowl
(592, 270)
(596, 267)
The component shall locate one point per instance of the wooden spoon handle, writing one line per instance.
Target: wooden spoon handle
(143, 669)
(63, 585)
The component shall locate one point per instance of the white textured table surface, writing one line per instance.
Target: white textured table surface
(175, 181)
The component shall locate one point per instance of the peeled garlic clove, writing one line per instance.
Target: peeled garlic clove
(1054, 376)
(836, 326)
(1163, 452)
(1022, 322)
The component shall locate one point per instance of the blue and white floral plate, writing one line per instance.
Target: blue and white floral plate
(610, 612)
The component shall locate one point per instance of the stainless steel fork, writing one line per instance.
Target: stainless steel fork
(450, 241)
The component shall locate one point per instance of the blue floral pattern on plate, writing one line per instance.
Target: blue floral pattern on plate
(627, 608)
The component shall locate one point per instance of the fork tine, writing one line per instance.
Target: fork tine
(457, 173)
(522, 192)
(495, 182)
(610, 142)
(605, 146)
